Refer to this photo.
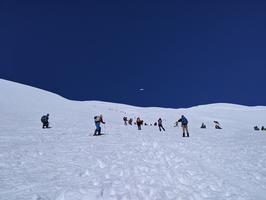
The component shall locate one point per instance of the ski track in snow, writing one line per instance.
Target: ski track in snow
(67, 163)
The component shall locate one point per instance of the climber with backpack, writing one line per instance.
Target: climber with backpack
(98, 120)
(125, 120)
(130, 121)
(184, 123)
(45, 122)
(139, 122)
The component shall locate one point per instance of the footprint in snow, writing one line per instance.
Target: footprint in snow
(84, 174)
(155, 145)
(37, 197)
(101, 164)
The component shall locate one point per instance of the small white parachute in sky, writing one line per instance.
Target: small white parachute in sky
(141, 89)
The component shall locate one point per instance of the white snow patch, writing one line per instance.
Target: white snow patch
(67, 163)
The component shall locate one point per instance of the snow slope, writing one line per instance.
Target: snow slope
(67, 163)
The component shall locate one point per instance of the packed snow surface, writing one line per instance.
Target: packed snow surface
(66, 162)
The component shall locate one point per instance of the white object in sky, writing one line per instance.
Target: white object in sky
(141, 89)
(67, 163)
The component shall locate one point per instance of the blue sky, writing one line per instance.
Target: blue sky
(182, 53)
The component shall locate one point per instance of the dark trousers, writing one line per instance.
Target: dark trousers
(185, 130)
(45, 124)
(139, 127)
(97, 130)
(161, 127)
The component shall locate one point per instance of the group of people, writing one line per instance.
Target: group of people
(99, 119)
(216, 125)
(256, 128)
(183, 120)
(139, 123)
(127, 121)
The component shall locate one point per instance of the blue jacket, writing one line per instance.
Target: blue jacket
(183, 120)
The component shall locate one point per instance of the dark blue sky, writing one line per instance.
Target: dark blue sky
(183, 53)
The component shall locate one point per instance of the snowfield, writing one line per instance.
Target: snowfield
(66, 162)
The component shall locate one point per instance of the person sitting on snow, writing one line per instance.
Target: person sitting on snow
(203, 125)
(217, 125)
(256, 128)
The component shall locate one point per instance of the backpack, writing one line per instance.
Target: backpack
(184, 121)
(96, 118)
(43, 119)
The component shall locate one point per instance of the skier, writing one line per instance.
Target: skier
(184, 123)
(98, 120)
(44, 120)
(125, 120)
(263, 128)
(139, 123)
(160, 124)
(256, 128)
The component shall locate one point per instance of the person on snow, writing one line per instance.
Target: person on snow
(217, 125)
(263, 129)
(45, 121)
(184, 123)
(256, 128)
(160, 124)
(203, 125)
(130, 121)
(98, 120)
(139, 123)
(155, 124)
(125, 120)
